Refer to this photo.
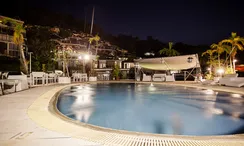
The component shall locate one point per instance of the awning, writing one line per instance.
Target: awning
(170, 63)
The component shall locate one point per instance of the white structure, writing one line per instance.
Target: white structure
(175, 63)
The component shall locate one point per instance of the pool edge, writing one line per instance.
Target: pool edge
(46, 105)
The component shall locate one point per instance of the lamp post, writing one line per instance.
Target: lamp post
(234, 65)
(30, 60)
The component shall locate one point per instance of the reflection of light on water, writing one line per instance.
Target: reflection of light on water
(152, 88)
(80, 87)
(83, 105)
(236, 116)
(208, 92)
(151, 84)
(236, 95)
(139, 87)
(216, 111)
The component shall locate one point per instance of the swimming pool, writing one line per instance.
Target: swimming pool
(161, 109)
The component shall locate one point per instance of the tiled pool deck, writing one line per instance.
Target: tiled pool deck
(27, 119)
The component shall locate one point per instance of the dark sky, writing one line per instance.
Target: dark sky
(187, 21)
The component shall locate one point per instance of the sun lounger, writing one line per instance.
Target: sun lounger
(159, 77)
(233, 82)
(9, 82)
(22, 82)
(146, 78)
(227, 78)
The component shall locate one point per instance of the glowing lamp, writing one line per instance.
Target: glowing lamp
(220, 71)
(87, 57)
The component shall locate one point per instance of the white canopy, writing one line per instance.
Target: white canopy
(170, 63)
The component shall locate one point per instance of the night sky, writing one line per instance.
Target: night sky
(188, 21)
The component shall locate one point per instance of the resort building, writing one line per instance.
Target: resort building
(102, 55)
(7, 46)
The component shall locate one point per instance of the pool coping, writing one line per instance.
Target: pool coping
(46, 105)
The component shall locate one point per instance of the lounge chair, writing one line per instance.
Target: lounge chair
(170, 77)
(6, 83)
(146, 78)
(227, 78)
(38, 76)
(159, 77)
(232, 80)
(20, 81)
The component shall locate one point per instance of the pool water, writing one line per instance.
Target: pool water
(151, 108)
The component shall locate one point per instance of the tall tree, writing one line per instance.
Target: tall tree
(96, 39)
(169, 51)
(219, 49)
(236, 43)
(210, 53)
(18, 39)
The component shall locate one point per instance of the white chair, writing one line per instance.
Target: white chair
(22, 82)
(58, 73)
(84, 77)
(146, 78)
(106, 76)
(10, 82)
(170, 78)
(159, 77)
(38, 76)
(76, 77)
(52, 77)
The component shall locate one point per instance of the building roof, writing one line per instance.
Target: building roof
(4, 17)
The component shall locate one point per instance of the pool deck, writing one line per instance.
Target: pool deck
(26, 120)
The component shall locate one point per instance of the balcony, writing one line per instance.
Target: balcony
(6, 38)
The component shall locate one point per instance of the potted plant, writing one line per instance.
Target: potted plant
(116, 72)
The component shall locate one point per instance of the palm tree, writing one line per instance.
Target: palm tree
(96, 39)
(219, 49)
(169, 51)
(236, 43)
(18, 39)
(210, 53)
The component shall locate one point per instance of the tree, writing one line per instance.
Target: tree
(219, 49)
(169, 51)
(96, 39)
(116, 71)
(43, 48)
(211, 58)
(18, 40)
(236, 43)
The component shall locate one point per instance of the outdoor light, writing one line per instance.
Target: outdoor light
(189, 59)
(147, 54)
(87, 57)
(79, 57)
(209, 69)
(220, 71)
(234, 65)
